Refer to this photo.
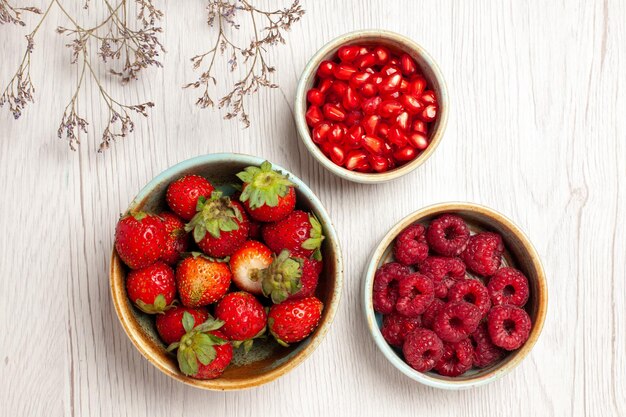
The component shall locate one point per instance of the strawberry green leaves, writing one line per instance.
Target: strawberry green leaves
(214, 216)
(158, 306)
(263, 186)
(282, 278)
(315, 241)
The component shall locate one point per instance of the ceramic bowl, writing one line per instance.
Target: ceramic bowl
(394, 42)
(519, 253)
(267, 360)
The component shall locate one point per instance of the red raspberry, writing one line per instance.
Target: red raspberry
(485, 352)
(386, 286)
(415, 293)
(448, 235)
(508, 286)
(474, 292)
(411, 247)
(422, 349)
(431, 312)
(457, 358)
(508, 326)
(444, 272)
(456, 321)
(396, 327)
(483, 253)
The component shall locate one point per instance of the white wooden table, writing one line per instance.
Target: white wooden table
(538, 94)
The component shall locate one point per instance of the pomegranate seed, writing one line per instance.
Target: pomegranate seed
(339, 88)
(370, 123)
(333, 98)
(394, 61)
(368, 90)
(411, 103)
(313, 116)
(418, 140)
(365, 61)
(325, 147)
(417, 86)
(378, 163)
(407, 64)
(402, 121)
(373, 144)
(326, 69)
(428, 97)
(320, 132)
(378, 79)
(350, 99)
(419, 126)
(325, 85)
(405, 154)
(370, 105)
(344, 71)
(390, 70)
(404, 85)
(387, 149)
(354, 137)
(391, 84)
(348, 53)
(363, 50)
(396, 136)
(382, 55)
(359, 79)
(355, 159)
(391, 162)
(315, 97)
(364, 167)
(354, 118)
(382, 129)
(336, 133)
(394, 96)
(337, 154)
(334, 112)
(388, 108)
(429, 113)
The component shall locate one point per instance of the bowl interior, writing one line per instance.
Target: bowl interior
(398, 44)
(266, 360)
(519, 253)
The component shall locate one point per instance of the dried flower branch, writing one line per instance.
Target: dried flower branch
(12, 14)
(223, 14)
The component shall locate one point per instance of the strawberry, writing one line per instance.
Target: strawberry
(152, 288)
(247, 262)
(201, 281)
(268, 195)
(290, 277)
(255, 230)
(203, 352)
(220, 226)
(244, 318)
(183, 194)
(139, 239)
(300, 233)
(176, 240)
(169, 325)
(294, 320)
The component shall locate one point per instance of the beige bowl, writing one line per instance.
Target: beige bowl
(394, 42)
(519, 253)
(267, 360)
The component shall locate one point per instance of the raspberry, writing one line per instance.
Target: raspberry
(411, 247)
(386, 286)
(415, 293)
(448, 235)
(457, 358)
(474, 292)
(508, 286)
(396, 327)
(508, 326)
(483, 253)
(422, 349)
(485, 352)
(444, 272)
(431, 312)
(456, 321)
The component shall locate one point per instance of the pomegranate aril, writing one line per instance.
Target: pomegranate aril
(355, 159)
(378, 163)
(315, 97)
(313, 116)
(326, 69)
(369, 90)
(339, 88)
(390, 70)
(429, 113)
(337, 154)
(335, 134)
(404, 85)
(411, 103)
(373, 144)
(396, 136)
(394, 61)
(334, 112)
(370, 123)
(354, 118)
(365, 61)
(354, 136)
(420, 126)
(417, 86)
(348, 53)
(320, 132)
(382, 55)
(418, 140)
(325, 85)
(405, 154)
(407, 64)
(350, 99)
(333, 98)
(370, 105)
(402, 121)
(390, 84)
(390, 108)
(377, 79)
(428, 97)
(364, 167)
(359, 79)
(344, 71)
(382, 130)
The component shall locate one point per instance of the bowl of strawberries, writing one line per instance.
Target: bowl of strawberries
(371, 106)
(455, 295)
(226, 271)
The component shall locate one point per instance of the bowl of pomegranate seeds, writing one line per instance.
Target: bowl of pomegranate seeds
(371, 106)
(455, 295)
(226, 271)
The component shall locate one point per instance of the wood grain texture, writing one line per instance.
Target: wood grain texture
(536, 131)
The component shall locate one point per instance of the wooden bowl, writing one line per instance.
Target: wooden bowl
(395, 42)
(267, 360)
(519, 253)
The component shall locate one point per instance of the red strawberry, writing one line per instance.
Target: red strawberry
(203, 352)
(255, 230)
(268, 195)
(139, 239)
(294, 320)
(176, 241)
(220, 226)
(246, 264)
(152, 288)
(201, 281)
(300, 233)
(290, 277)
(183, 194)
(243, 316)
(169, 325)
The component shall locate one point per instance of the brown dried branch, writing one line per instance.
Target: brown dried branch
(12, 14)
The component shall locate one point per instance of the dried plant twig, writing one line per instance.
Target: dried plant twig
(13, 14)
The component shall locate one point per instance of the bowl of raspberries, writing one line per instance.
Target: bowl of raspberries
(226, 271)
(455, 295)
